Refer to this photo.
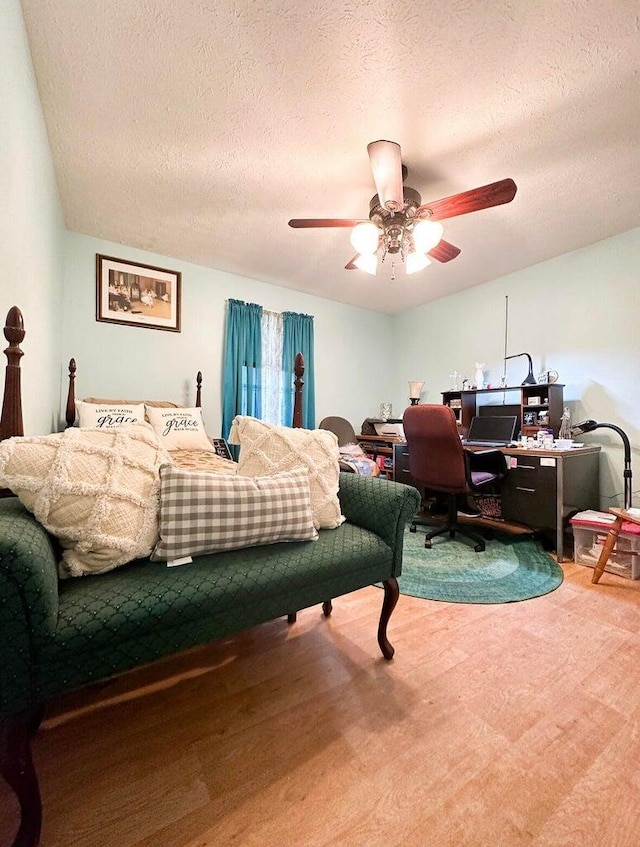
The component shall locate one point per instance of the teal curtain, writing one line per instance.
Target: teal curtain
(242, 369)
(298, 338)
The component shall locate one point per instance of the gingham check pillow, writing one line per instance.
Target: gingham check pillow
(206, 512)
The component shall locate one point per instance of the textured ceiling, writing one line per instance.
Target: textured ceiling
(197, 128)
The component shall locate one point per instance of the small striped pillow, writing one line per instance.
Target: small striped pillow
(205, 513)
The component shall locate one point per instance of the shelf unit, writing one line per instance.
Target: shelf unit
(380, 449)
(549, 397)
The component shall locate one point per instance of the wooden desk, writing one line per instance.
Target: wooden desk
(380, 445)
(545, 487)
(542, 489)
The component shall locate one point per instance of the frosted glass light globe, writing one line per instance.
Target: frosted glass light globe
(367, 262)
(364, 237)
(416, 262)
(426, 234)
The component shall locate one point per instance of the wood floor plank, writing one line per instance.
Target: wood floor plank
(515, 725)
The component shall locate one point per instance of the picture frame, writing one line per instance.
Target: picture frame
(221, 448)
(133, 294)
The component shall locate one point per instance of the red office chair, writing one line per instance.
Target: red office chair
(439, 462)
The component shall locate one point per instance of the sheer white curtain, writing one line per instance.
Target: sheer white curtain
(272, 333)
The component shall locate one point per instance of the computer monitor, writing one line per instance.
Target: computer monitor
(494, 429)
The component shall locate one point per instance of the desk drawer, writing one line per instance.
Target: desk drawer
(529, 493)
(401, 472)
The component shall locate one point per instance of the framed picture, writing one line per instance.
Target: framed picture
(137, 295)
(221, 447)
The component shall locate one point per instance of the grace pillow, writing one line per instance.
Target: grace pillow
(179, 429)
(106, 416)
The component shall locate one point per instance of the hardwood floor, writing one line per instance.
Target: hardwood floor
(500, 725)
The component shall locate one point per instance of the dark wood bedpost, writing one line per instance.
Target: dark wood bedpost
(11, 420)
(198, 389)
(298, 369)
(70, 414)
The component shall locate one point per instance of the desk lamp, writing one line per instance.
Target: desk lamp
(415, 390)
(589, 426)
(530, 378)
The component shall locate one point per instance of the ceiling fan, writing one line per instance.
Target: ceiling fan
(399, 224)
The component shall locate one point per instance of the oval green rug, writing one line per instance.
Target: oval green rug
(510, 569)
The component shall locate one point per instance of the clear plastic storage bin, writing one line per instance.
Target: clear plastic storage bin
(590, 530)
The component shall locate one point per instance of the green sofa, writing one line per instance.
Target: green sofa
(57, 636)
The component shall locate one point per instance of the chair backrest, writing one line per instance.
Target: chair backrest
(436, 454)
(341, 427)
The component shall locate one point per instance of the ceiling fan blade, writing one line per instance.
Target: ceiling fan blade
(307, 223)
(494, 194)
(386, 165)
(350, 266)
(444, 252)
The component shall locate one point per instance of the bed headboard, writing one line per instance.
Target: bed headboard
(70, 414)
(11, 419)
(11, 422)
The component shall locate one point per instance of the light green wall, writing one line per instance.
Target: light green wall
(31, 226)
(353, 373)
(577, 314)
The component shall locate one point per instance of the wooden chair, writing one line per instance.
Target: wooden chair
(622, 516)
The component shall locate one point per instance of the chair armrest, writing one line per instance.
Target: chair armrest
(490, 461)
(28, 601)
(380, 506)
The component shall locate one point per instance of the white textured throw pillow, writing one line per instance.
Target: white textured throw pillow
(266, 449)
(204, 512)
(179, 429)
(104, 416)
(96, 490)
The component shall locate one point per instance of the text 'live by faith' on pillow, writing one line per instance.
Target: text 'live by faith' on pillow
(179, 429)
(106, 416)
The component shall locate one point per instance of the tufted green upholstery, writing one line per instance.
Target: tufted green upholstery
(56, 636)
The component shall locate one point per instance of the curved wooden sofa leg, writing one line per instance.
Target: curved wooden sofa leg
(327, 608)
(391, 594)
(16, 766)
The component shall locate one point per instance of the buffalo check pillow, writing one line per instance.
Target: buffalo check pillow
(206, 512)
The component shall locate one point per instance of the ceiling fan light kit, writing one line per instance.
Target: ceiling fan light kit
(399, 225)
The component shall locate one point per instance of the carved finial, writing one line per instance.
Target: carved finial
(198, 389)
(11, 420)
(70, 412)
(298, 370)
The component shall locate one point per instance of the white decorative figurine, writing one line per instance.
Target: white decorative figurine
(479, 375)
